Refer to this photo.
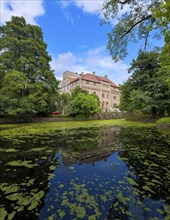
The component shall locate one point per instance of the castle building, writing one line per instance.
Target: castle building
(107, 91)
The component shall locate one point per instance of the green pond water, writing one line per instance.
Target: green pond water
(86, 173)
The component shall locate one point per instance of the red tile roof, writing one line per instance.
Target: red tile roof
(90, 77)
(114, 85)
(97, 79)
(104, 79)
(93, 78)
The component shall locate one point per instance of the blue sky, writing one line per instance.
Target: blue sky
(76, 40)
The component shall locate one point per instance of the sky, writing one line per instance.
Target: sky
(72, 30)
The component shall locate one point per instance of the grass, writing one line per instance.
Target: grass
(60, 116)
(45, 127)
(11, 130)
(165, 120)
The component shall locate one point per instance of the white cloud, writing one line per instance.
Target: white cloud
(94, 7)
(69, 17)
(89, 6)
(96, 59)
(30, 10)
(62, 63)
(64, 4)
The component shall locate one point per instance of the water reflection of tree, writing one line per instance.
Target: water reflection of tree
(90, 145)
(39, 151)
(118, 210)
(147, 154)
(20, 183)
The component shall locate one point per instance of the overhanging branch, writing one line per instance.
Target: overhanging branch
(134, 25)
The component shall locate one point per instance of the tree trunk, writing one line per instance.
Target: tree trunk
(153, 110)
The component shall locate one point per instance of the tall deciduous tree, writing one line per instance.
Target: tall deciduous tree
(146, 90)
(23, 53)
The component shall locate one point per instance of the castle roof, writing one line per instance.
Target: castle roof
(93, 78)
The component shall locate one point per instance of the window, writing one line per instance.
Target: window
(94, 83)
(87, 82)
(107, 95)
(114, 97)
(94, 92)
(102, 95)
(104, 85)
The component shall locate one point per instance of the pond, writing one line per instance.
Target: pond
(86, 173)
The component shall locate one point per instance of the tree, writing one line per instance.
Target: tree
(162, 14)
(78, 90)
(139, 19)
(146, 90)
(83, 103)
(63, 102)
(23, 52)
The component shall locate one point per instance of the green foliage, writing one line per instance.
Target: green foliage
(139, 100)
(162, 16)
(146, 90)
(134, 24)
(15, 94)
(27, 83)
(62, 103)
(165, 120)
(83, 103)
(78, 90)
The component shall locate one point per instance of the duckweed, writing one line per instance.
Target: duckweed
(24, 163)
(92, 173)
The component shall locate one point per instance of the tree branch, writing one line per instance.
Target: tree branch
(126, 1)
(147, 35)
(134, 25)
(110, 3)
(105, 6)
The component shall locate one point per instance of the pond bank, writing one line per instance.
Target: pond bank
(60, 118)
(46, 127)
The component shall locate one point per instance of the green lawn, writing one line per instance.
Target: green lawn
(45, 127)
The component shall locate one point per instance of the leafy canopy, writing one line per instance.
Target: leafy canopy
(27, 83)
(83, 103)
(135, 20)
(63, 102)
(146, 90)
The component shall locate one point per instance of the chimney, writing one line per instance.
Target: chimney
(81, 73)
(106, 76)
(94, 72)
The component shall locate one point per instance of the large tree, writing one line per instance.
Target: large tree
(146, 90)
(135, 20)
(27, 83)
